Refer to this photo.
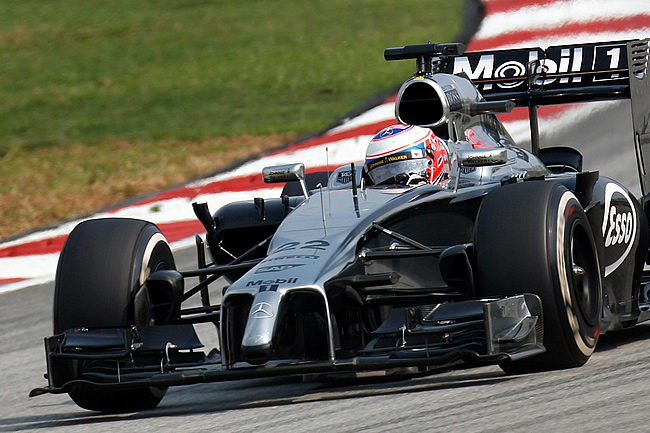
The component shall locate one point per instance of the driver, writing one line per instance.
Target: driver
(406, 155)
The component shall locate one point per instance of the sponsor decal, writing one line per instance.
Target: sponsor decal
(262, 310)
(572, 65)
(278, 281)
(344, 176)
(619, 226)
(473, 139)
(387, 159)
(453, 98)
(293, 256)
(276, 268)
(279, 172)
(482, 160)
(467, 170)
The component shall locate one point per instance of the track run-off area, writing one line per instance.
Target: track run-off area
(609, 393)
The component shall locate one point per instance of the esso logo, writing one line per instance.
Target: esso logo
(619, 226)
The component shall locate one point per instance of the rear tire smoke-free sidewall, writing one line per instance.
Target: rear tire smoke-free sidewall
(534, 237)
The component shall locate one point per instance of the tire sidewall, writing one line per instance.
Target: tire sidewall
(152, 253)
(580, 328)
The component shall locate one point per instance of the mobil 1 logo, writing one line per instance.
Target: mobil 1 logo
(559, 66)
(270, 285)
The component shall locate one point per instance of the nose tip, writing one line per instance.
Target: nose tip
(257, 355)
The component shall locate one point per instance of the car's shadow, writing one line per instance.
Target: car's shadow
(261, 393)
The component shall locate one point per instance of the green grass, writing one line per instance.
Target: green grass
(90, 72)
(103, 100)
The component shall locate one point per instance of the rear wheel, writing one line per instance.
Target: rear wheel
(534, 237)
(101, 268)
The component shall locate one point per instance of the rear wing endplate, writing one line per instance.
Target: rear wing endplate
(640, 97)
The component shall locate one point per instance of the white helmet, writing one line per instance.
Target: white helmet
(406, 155)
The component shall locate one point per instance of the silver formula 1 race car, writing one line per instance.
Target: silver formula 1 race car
(521, 259)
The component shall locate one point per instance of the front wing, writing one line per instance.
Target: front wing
(480, 331)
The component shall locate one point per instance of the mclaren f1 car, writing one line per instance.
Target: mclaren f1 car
(521, 259)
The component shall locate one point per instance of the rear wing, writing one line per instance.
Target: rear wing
(557, 75)
(566, 74)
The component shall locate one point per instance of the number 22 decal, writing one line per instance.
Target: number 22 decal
(309, 245)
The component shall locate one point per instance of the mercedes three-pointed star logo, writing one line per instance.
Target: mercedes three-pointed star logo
(386, 132)
(262, 310)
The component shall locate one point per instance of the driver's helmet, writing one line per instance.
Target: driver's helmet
(406, 155)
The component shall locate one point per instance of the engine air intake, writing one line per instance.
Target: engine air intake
(419, 103)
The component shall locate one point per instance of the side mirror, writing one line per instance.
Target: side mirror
(286, 173)
(482, 157)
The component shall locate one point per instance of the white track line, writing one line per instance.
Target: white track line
(558, 14)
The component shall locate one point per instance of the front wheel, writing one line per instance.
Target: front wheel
(103, 265)
(534, 237)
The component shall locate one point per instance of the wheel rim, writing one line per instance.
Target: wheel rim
(157, 257)
(583, 274)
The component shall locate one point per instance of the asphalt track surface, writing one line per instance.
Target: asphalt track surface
(609, 393)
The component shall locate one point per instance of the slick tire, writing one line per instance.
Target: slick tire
(534, 237)
(101, 268)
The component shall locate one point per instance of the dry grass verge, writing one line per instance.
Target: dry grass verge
(44, 186)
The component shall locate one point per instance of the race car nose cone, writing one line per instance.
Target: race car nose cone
(257, 343)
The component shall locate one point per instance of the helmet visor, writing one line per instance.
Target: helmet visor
(382, 173)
